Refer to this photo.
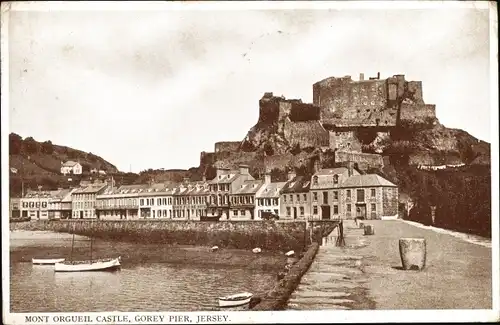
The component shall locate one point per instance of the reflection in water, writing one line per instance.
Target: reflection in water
(145, 286)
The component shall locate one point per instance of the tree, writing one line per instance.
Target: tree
(31, 146)
(47, 147)
(15, 144)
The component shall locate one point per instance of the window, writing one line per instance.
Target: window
(315, 209)
(301, 211)
(348, 208)
(288, 211)
(315, 180)
(284, 198)
(348, 194)
(242, 212)
(335, 209)
(360, 195)
(235, 212)
(275, 201)
(325, 197)
(335, 179)
(372, 192)
(374, 207)
(315, 196)
(291, 198)
(158, 201)
(335, 195)
(304, 196)
(298, 197)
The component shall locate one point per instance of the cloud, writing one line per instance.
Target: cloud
(152, 89)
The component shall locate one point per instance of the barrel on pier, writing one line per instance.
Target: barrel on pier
(369, 230)
(413, 252)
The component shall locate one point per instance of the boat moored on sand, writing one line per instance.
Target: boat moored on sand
(46, 261)
(104, 264)
(238, 299)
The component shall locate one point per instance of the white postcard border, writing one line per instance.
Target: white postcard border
(371, 316)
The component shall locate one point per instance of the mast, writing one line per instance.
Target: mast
(72, 244)
(92, 223)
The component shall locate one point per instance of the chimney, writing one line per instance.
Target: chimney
(267, 177)
(378, 75)
(350, 167)
(244, 169)
(317, 166)
(361, 77)
(291, 174)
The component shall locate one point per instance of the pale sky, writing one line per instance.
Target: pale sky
(153, 89)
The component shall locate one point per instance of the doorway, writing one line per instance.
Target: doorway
(294, 213)
(81, 214)
(361, 211)
(325, 212)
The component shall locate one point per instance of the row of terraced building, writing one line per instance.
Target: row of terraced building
(234, 194)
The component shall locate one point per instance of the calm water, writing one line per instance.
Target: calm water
(152, 278)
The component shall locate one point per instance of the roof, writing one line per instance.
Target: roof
(298, 184)
(331, 171)
(94, 188)
(226, 177)
(249, 187)
(271, 190)
(367, 180)
(70, 163)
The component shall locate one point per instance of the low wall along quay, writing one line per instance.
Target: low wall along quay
(268, 235)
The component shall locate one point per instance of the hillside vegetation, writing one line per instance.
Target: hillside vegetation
(39, 164)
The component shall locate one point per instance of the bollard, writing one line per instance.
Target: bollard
(369, 230)
(413, 253)
(361, 225)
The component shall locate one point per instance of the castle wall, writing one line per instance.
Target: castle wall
(345, 140)
(417, 113)
(364, 160)
(306, 134)
(348, 103)
(227, 146)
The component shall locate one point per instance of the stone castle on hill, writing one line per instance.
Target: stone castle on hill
(341, 108)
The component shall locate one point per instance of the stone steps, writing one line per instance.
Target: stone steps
(334, 277)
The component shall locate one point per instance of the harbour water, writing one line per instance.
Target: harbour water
(152, 277)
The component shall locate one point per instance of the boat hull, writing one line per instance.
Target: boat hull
(233, 303)
(110, 264)
(46, 261)
(235, 300)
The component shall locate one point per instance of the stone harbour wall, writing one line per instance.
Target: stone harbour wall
(268, 235)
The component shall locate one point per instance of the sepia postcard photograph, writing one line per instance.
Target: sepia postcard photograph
(249, 162)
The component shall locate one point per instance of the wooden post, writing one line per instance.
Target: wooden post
(413, 252)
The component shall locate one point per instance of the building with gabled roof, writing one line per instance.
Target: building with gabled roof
(122, 202)
(84, 200)
(242, 200)
(267, 198)
(225, 183)
(295, 197)
(71, 167)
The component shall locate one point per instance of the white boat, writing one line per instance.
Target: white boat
(256, 250)
(238, 299)
(214, 248)
(104, 264)
(46, 261)
(290, 253)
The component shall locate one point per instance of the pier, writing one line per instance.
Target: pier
(366, 273)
